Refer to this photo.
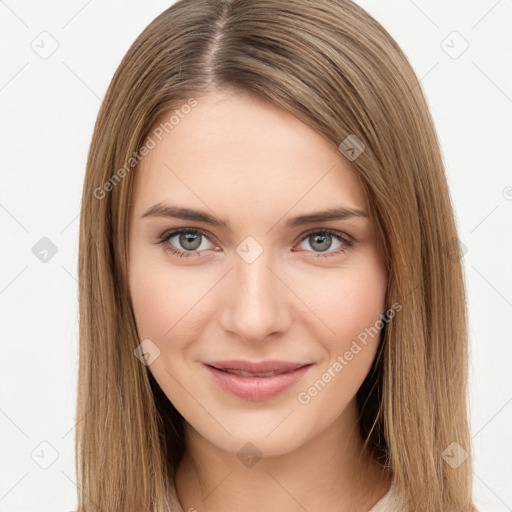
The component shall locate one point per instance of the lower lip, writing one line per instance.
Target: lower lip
(257, 388)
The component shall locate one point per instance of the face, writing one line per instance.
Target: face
(250, 278)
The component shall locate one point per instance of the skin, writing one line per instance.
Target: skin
(246, 161)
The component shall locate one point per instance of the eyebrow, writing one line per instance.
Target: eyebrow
(170, 211)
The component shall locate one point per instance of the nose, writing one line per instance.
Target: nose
(257, 301)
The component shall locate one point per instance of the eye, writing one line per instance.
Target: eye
(322, 240)
(190, 239)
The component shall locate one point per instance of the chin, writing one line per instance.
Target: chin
(257, 434)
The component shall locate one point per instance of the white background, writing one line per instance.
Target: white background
(48, 110)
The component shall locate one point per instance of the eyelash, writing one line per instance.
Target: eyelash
(348, 241)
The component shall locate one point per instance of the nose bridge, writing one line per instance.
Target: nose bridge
(256, 304)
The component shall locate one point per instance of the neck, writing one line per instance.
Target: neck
(332, 471)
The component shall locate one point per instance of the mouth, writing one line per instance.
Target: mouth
(256, 381)
(256, 374)
(256, 369)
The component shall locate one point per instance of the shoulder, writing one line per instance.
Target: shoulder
(174, 504)
(388, 503)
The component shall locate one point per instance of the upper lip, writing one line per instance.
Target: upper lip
(256, 367)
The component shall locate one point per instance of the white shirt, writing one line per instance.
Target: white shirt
(388, 503)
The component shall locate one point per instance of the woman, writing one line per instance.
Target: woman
(272, 307)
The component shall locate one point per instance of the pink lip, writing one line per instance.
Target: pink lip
(257, 388)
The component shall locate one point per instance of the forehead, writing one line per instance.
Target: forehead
(233, 151)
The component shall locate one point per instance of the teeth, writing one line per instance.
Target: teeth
(247, 374)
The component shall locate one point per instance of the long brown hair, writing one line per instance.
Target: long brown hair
(338, 70)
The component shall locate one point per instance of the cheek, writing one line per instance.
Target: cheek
(159, 296)
(357, 309)
(348, 300)
(349, 304)
(151, 304)
(171, 305)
